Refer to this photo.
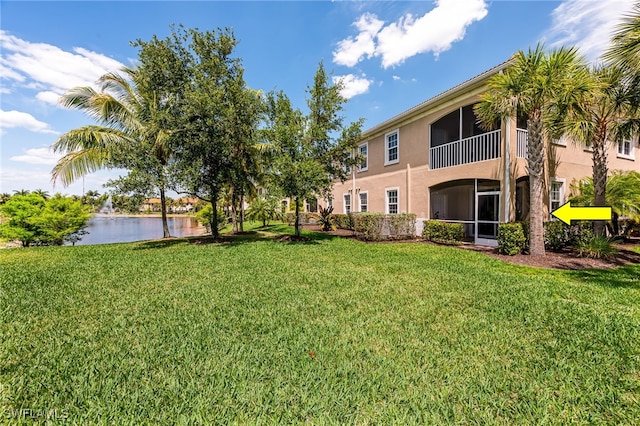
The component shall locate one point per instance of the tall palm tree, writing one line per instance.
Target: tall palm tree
(599, 121)
(536, 84)
(128, 134)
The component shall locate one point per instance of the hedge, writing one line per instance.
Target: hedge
(304, 218)
(378, 226)
(443, 232)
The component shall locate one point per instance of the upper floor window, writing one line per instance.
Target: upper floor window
(363, 150)
(625, 149)
(392, 148)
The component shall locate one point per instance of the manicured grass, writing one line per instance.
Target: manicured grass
(330, 331)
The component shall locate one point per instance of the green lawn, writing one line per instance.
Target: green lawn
(331, 331)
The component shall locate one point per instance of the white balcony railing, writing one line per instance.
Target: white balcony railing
(464, 151)
(522, 143)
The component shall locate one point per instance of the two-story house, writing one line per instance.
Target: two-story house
(435, 161)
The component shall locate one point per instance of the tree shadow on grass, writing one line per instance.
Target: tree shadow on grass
(621, 277)
(267, 233)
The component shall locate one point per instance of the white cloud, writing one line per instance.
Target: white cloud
(50, 69)
(37, 156)
(11, 119)
(396, 78)
(352, 85)
(48, 97)
(434, 32)
(351, 50)
(587, 24)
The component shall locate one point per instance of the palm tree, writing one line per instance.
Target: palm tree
(535, 84)
(128, 134)
(21, 192)
(599, 121)
(622, 194)
(41, 192)
(624, 51)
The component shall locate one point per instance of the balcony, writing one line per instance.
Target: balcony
(474, 149)
(522, 143)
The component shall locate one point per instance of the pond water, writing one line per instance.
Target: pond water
(118, 229)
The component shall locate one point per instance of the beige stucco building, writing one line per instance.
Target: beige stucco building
(435, 161)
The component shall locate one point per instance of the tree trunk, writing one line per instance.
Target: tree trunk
(241, 224)
(234, 211)
(163, 208)
(599, 146)
(297, 224)
(536, 184)
(214, 213)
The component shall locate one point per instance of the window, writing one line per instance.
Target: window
(625, 149)
(364, 201)
(392, 148)
(329, 202)
(556, 196)
(363, 150)
(562, 141)
(392, 201)
(347, 203)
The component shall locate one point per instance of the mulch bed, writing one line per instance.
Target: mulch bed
(565, 260)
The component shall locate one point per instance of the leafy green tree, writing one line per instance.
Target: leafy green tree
(539, 85)
(61, 219)
(19, 212)
(33, 220)
(129, 135)
(214, 118)
(599, 120)
(622, 194)
(308, 153)
(4, 197)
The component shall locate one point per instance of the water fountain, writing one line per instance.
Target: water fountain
(107, 208)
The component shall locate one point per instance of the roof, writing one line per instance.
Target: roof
(431, 101)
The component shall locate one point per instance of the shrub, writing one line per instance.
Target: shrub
(304, 218)
(205, 217)
(511, 239)
(558, 235)
(325, 219)
(378, 226)
(443, 232)
(596, 247)
(343, 221)
(401, 226)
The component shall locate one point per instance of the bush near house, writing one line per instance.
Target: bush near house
(443, 232)
(379, 226)
(304, 218)
(511, 238)
(558, 235)
(343, 221)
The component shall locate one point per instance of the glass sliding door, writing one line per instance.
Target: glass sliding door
(488, 217)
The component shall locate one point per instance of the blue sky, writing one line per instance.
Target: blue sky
(391, 55)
